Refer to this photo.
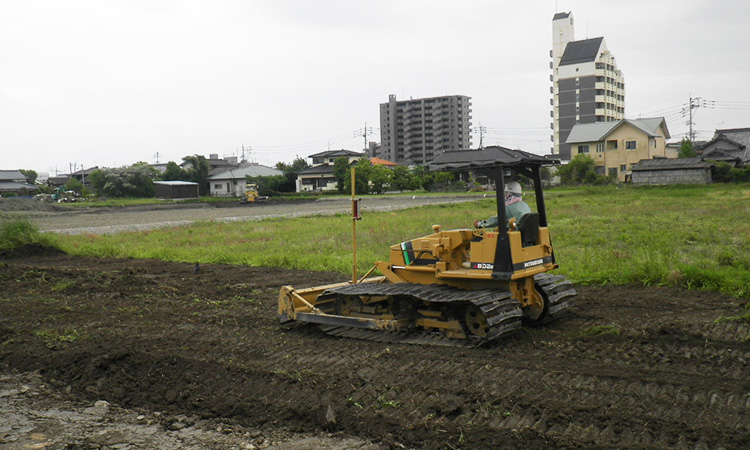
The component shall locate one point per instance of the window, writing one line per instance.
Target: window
(218, 186)
(623, 167)
(599, 148)
(629, 145)
(583, 149)
(613, 171)
(599, 170)
(611, 145)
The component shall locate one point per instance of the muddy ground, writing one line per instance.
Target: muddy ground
(133, 350)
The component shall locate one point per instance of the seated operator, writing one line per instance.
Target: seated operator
(514, 206)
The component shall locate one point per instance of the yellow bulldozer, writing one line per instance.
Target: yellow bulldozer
(451, 287)
(252, 195)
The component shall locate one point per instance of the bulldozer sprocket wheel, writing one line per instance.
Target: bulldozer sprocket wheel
(558, 293)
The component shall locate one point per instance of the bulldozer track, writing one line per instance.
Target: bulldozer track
(503, 313)
(560, 294)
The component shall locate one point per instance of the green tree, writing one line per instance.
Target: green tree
(133, 181)
(30, 175)
(290, 172)
(740, 175)
(270, 184)
(197, 171)
(402, 178)
(578, 171)
(74, 185)
(380, 178)
(721, 172)
(341, 173)
(362, 176)
(686, 149)
(173, 172)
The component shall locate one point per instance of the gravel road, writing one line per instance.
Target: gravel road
(115, 220)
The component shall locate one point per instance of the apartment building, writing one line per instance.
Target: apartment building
(587, 86)
(415, 131)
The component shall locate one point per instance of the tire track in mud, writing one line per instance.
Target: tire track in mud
(670, 403)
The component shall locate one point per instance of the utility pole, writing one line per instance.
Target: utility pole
(249, 148)
(481, 131)
(157, 157)
(696, 102)
(364, 135)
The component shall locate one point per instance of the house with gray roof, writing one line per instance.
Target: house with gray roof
(616, 146)
(728, 145)
(13, 181)
(329, 157)
(230, 182)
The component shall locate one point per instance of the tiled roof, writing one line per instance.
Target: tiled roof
(487, 157)
(253, 170)
(14, 186)
(595, 132)
(335, 154)
(382, 162)
(11, 175)
(577, 52)
(320, 169)
(670, 164)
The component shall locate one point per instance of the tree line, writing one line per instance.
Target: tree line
(137, 180)
(370, 178)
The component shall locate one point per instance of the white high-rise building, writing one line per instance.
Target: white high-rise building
(587, 86)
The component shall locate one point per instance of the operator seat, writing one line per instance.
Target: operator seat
(528, 225)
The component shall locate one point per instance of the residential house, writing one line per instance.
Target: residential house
(729, 145)
(13, 181)
(216, 164)
(329, 157)
(316, 178)
(616, 146)
(83, 175)
(230, 182)
(320, 176)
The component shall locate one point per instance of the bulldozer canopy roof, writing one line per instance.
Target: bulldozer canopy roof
(488, 158)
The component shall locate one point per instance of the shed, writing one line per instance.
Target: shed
(672, 171)
(176, 189)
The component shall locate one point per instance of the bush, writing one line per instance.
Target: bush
(134, 181)
(17, 233)
(739, 175)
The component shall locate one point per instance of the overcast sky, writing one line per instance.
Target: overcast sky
(109, 83)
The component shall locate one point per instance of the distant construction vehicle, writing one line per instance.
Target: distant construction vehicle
(252, 195)
(454, 287)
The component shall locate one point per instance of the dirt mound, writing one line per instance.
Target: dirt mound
(26, 204)
(631, 367)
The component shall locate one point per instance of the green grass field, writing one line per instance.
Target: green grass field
(696, 237)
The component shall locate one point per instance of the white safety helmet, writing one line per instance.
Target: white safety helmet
(513, 188)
